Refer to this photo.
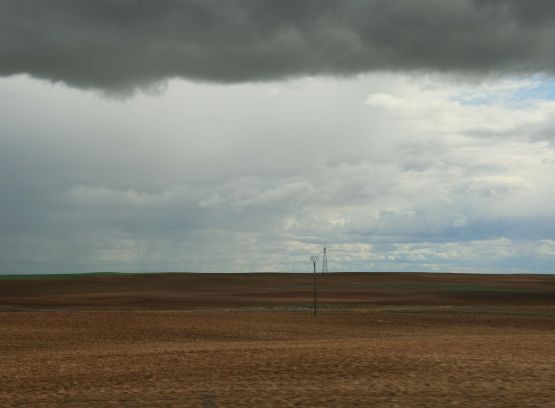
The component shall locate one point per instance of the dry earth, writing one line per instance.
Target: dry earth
(190, 290)
(381, 340)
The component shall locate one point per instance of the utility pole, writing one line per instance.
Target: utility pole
(314, 260)
(325, 261)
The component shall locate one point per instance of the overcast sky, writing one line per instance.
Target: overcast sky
(244, 135)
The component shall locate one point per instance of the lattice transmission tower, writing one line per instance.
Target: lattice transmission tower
(325, 261)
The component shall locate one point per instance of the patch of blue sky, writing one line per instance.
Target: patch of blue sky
(543, 88)
(515, 93)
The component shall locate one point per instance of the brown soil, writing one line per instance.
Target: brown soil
(474, 341)
(190, 290)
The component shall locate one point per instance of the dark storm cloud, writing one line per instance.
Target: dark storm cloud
(122, 44)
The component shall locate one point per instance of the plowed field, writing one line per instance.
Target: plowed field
(380, 340)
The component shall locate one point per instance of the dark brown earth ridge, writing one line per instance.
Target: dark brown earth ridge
(193, 290)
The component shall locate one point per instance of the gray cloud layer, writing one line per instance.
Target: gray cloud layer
(124, 44)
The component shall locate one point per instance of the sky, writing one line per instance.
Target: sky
(246, 135)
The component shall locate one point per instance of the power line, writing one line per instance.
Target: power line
(315, 259)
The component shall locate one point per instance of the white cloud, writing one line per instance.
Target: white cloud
(384, 100)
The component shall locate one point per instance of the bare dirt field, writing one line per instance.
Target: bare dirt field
(380, 340)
